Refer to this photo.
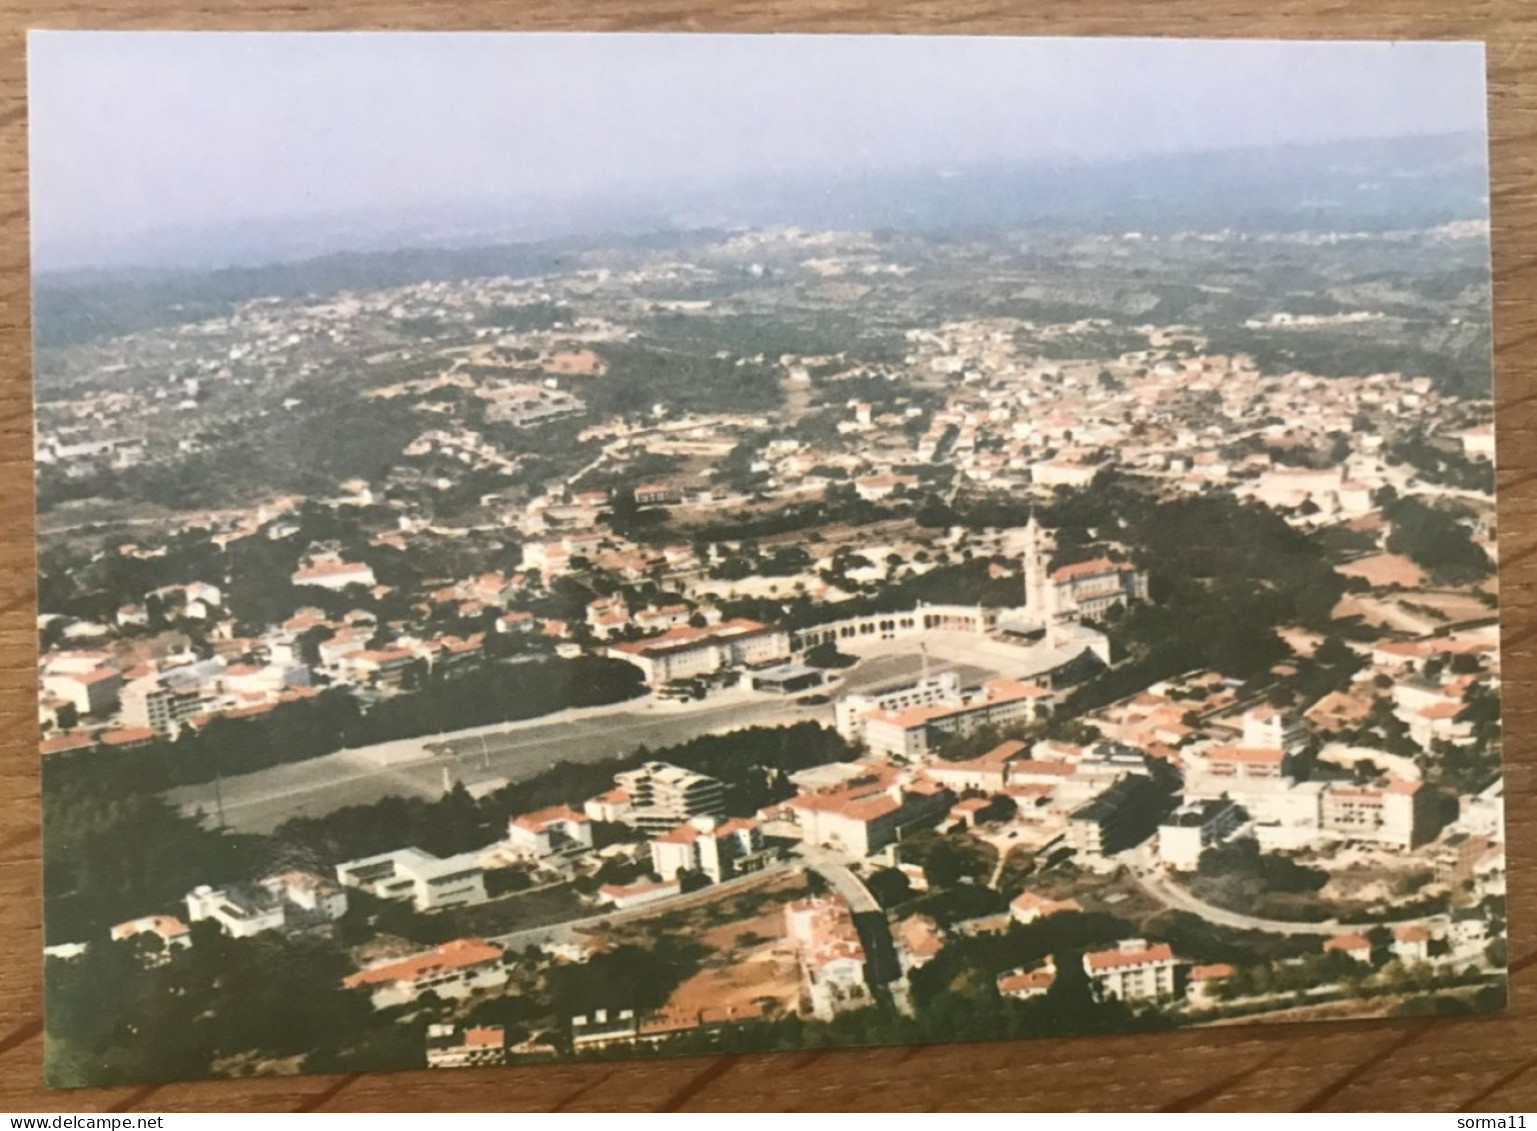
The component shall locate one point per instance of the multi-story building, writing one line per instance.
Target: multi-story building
(548, 832)
(662, 796)
(1123, 815)
(1193, 828)
(719, 849)
(911, 732)
(849, 711)
(1133, 971)
(410, 873)
(240, 910)
(683, 653)
(1273, 728)
(988, 773)
(475, 1046)
(1091, 589)
(454, 970)
(287, 901)
(93, 692)
(1401, 813)
(832, 959)
(862, 815)
(1022, 985)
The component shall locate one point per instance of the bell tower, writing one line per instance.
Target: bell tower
(1039, 594)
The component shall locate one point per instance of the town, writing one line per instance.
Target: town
(766, 640)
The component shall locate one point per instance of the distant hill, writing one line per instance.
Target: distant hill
(1361, 185)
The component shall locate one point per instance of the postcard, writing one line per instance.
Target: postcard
(590, 546)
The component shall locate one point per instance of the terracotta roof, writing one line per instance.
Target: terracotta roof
(683, 834)
(638, 888)
(1248, 755)
(537, 820)
(1213, 973)
(1348, 943)
(166, 926)
(920, 935)
(1027, 901)
(457, 955)
(127, 735)
(1087, 569)
(485, 1037)
(1030, 767)
(94, 676)
(328, 569)
(1114, 959)
(62, 743)
(1018, 980)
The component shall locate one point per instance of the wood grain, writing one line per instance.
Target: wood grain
(1487, 1064)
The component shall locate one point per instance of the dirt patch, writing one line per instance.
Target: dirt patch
(767, 973)
(1385, 569)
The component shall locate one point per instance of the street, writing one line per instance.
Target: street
(1171, 895)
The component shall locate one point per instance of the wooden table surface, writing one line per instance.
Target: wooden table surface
(1476, 1064)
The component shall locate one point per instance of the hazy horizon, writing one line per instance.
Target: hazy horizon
(173, 144)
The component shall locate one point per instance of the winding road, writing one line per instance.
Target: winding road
(1173, 896)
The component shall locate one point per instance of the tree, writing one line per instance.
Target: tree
(1435, 541)
(889, 887)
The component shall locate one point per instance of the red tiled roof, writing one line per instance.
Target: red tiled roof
(1018, 980)
(166, 926)
(1212, 973)
(1348, 943)
(537, 820)
(126, 736)
(1248, 755)
(62, 743)
(485, 1036)
(1087, 569)
(457, 955)
(1114, 959)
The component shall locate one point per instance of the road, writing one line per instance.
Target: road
(882, 967)
(1173, 896)
(554, 933)
(260, 801)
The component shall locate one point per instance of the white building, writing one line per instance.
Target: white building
(663, 796)
(454, 970)
(1133, 971)
(241, 910)
(286, 901)
(1193, 828)
(849, 711)
(1024, 984)
(1399, 814)
(909, 733)
(621, 897)
(171, 931)
(683, 653)
(832, 959)
(548, 832)
(719, 849)
(410, 873)
(335, 574)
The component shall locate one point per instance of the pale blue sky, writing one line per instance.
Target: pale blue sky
(136, 132)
